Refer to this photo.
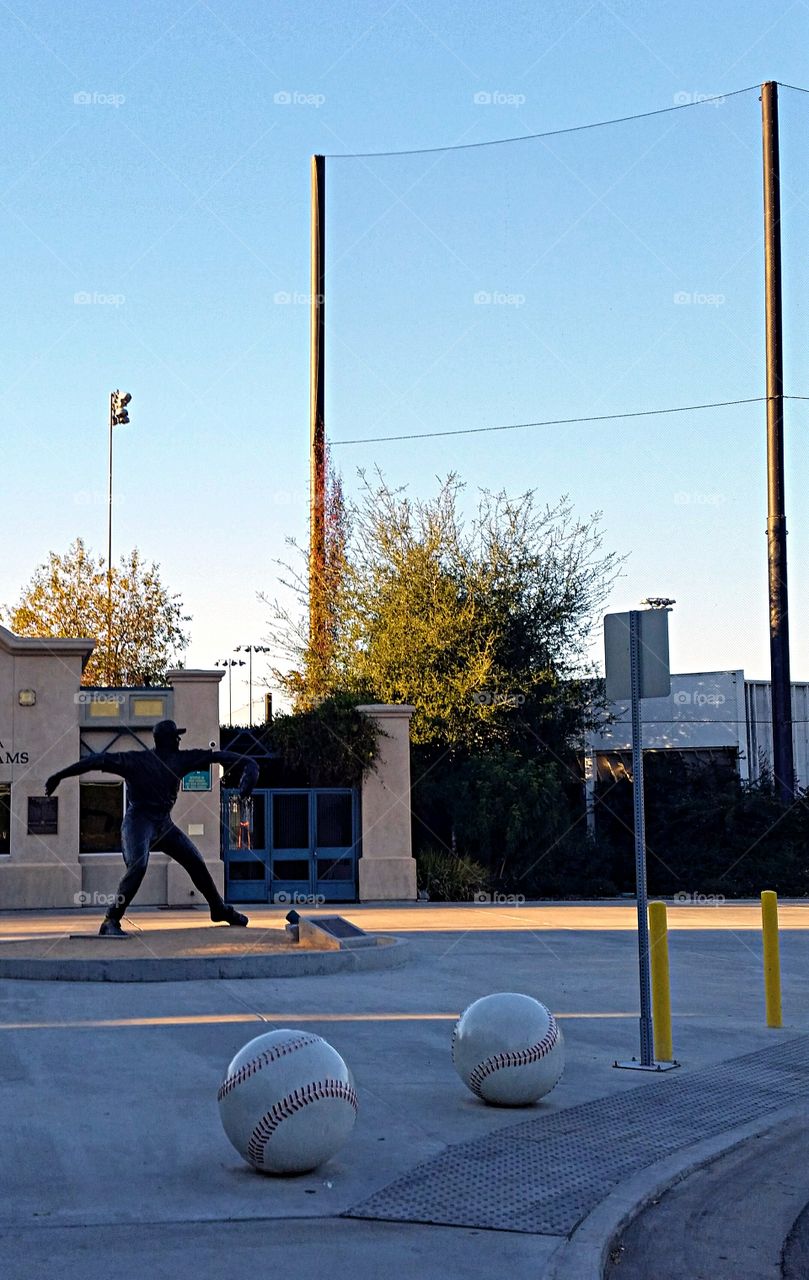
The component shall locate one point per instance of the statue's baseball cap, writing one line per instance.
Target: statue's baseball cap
(167, 729)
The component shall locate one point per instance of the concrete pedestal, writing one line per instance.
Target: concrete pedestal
(387, 869)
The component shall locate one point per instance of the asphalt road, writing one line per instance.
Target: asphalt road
(728, 1221)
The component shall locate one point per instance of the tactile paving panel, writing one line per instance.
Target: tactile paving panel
(544, 1175)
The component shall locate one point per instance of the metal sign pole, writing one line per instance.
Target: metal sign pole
(648, 671)
(646, 1031)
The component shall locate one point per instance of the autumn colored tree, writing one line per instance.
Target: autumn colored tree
(137, 641)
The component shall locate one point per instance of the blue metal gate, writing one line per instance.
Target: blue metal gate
(302, 847)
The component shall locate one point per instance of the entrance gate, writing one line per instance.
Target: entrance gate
(303, 846)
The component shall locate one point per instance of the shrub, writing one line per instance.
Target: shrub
(333, 745)
(447, 877)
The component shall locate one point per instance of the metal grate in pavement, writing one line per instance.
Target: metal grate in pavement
(544, 1175)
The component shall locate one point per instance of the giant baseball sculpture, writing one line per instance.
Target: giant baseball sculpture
(508, 1049)
(287, 1102)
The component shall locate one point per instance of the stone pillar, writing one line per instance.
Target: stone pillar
(197, 813)
(387, 868)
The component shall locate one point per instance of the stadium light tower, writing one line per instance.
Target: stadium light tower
(118, 417)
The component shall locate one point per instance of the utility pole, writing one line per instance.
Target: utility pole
(118, 417)
(317, 417)
(780, 682)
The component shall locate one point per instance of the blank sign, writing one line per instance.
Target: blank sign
(653, 650)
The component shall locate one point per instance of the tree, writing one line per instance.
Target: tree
(484, 628)
(67, 596)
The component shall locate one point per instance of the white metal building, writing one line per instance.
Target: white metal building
(707, 713)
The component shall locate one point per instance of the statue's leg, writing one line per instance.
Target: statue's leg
(136, 836)
(177, 845)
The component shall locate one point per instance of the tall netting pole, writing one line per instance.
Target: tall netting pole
(781, 690)
(317, 418)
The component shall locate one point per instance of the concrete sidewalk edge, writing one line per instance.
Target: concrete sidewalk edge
(584, 1254)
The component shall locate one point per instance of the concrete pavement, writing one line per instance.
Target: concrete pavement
(109, 1090)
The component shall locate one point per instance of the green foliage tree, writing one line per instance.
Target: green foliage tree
(483, 626)
(67, 596)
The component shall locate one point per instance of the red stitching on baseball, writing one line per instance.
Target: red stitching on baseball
(263, 1060)
(517, 1058)
(288, 1106)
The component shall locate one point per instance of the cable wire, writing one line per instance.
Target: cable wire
(551, 133)
(563, 422)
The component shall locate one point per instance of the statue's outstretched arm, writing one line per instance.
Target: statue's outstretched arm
(249, 776)
(99, 760)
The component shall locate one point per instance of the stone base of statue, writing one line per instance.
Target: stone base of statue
(160, 954)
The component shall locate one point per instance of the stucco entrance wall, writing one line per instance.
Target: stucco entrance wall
(47, 721)
(39, 732)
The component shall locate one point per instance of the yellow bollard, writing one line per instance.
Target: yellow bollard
(772, 957)
(661, 986)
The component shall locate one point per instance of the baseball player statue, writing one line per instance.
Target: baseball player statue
(153, 780)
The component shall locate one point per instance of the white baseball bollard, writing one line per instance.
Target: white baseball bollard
(287, 1102)
(508, 1049)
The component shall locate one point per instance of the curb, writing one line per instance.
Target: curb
(388, 954)
(585, 1253)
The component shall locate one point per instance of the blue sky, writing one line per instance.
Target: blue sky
(610, 270)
